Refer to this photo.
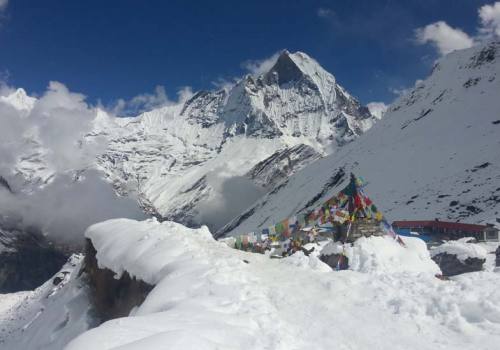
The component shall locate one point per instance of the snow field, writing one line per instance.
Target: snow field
(48, 317)
(209, 296)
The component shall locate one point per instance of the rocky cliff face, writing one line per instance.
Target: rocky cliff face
(282, 164)
(27, 259)
(111, 297)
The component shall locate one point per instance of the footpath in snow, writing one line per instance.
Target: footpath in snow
(209, 296)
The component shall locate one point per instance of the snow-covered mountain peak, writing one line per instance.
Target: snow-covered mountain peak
(170, 155)
(20, 100)
(433, 155)
(295, 66)
(179, 157)
(285, 70)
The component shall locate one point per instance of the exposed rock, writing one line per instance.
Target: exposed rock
(332, 260)
(5, 184)
(450, 265)
(497, 253)
(282, 164)
(111, 297)
(27, 259)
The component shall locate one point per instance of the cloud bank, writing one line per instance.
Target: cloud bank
(232, 195)
(64, 208)
(47, 136)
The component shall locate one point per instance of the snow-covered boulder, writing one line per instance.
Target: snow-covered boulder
(457, 257)
(111, 296)
(382, 255)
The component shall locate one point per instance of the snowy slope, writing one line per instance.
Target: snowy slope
(176, 157)
(49, 316)
(209, 296)
(434, 155)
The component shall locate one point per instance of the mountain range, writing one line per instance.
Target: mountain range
(435, 153)
(241, 158)
(187, 161)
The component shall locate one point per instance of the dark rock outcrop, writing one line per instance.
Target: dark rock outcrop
(332, 260)
(281, 165)
(111, 297)
(27, 259)
(497, 253)
(450, 265)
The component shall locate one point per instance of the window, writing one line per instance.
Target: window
(491, 234)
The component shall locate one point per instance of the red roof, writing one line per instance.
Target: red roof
(439, 224)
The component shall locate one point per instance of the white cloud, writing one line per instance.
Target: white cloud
(490, 19)
(58, 121)
(224, 84)
(257, 67)
(324, 12)
(146, 101)
(399, 91)
(54, 127)
(377, 109)
(445, 38)
(61, 119)
(64, 208)
(3, 4)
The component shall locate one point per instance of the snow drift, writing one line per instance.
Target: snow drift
(461, 249)
(209, 296)
(385, 255)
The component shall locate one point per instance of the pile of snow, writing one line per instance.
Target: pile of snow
(209, 296)
(461, 249)
(143, 249)
(386, 255)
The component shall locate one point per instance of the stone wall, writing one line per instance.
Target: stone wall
(365, 228)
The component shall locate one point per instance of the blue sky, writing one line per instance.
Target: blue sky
(119, 48)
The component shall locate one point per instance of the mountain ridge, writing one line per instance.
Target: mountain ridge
(179, 157)
(433, 155)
